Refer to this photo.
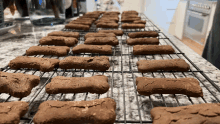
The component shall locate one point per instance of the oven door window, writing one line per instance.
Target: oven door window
(196, 23)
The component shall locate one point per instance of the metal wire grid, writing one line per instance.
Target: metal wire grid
(131, 107)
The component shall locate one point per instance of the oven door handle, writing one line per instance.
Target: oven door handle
(199, 13)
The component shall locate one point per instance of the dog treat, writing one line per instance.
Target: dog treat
(142, 41)
(101, 49)
(205, 113)
(81, 22)
(102, 41)
(86, 19)
(187, 86)
(99, 35)
(96, 63)
(132, 26)
(17, 84)
(107, 25)
(95, 84)
(48, 50)
(43, 64)
(108, 20)
(165, 65)
(58, 41)
(116, 32)
(11, 112)
(105, 21)
(129, 19)
(152, 49)
(112, 12)
(143, 34)
(139, 22)
(64, 34)
(77, 26)
(98, 111)
(130, 12)
(129, 16)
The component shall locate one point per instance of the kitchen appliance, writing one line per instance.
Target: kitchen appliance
(1, 14)
(197, 20)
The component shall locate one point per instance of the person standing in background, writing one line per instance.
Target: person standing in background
(211, 51)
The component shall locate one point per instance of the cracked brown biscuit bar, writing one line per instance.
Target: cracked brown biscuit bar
(85, 19)
(99, 111)
(101, 49)
(130, 12)
(129, 19)
(48, 50)
(81, 22)
(132, 26)
(152, 49)
(77, 26)
(165, 65)
(140, 22)
(105, 21)
(102, 41)
(205, 113)
(112, 12)
(129, 16)
(107, 25)
(17, 84)
(58, 41)
(96, 63)
(143, 34)
(142, 41)
(99, 35)
(96, 84)
(116, 32)
(187, 86)
(11, 112)
(64, 34)
(43, 64)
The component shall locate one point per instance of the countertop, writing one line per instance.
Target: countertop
(13, 45)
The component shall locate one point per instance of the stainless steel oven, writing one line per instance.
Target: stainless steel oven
(197, 20)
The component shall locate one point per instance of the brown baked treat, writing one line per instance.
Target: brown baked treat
(64, 34)
(96, 63)
(81, 22)
(99, 35)
(11, 112)
(96, 16)
(205, 113)
(143, 34)
(129, 15)
(77, 26)
(96, 84)
(101, 49)
(43, 64)
(102, 41)
(152, 49)
(107, 25)
(99, 111)
(17, 84)
(85, 19)
(58, 41)
(112, 12)
(130, 12)
(187, 86)
(140, 22)
(110, 17)
(129, 19)
(142, 41)
(116, 32)
(105, 21)
(48, 50)
(132, 26)
(165, 65)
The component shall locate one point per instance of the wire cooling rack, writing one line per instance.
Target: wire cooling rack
(131, 106)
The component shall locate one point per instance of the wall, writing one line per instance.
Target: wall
(158, 11)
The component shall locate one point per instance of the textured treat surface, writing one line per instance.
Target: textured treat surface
(101, 49)
(17, 84)
(116, 32)
(142, 41)
(102, 41)
(132, 26)
(11, 112)
(95, 84)
(143, 34)
(81, 22)
(58, 41)
(152, 49)
(64, 34)
(165, 65)
(107, 25)
(99, 35)
(96, 63)
(77, 26)
(43, 64)
(187, 86)
(206, 113)
(140, 22)
(48, 50)
(99, 111)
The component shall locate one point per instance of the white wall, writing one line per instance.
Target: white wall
(156, 10)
